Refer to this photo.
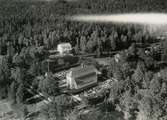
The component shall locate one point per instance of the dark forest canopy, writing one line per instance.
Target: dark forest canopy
(90, 6)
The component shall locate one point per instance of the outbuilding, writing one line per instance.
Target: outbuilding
(64, 48)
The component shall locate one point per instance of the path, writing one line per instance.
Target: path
(6, 112)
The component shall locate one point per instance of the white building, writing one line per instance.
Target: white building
(81, 77)
(64, 48)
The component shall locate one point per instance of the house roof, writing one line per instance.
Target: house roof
(81, 71)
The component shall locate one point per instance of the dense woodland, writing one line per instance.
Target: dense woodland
(29, 28)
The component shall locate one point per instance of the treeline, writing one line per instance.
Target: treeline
(43, 23)
(124, 6)
(141, 86)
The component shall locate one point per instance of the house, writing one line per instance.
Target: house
(81, 77)
(64, 48)
(60, 62)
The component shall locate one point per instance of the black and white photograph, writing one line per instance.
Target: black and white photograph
(83, 60)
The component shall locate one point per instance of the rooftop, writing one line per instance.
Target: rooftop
(83, 70)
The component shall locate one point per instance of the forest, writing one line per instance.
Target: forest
(28, 29)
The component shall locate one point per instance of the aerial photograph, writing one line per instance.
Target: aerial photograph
(83, 60)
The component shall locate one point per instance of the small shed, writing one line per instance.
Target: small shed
(64, 48)
(81, 77)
